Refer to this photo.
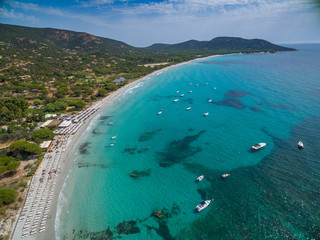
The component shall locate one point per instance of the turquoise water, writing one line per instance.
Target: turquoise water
(272, 193)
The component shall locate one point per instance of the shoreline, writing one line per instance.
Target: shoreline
(66, 156)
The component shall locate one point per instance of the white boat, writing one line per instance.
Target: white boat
(214, 88)
(210, 100)
(110, 123)
(188, 108)
(114, 137)
(203, 205)
(111, 145)
(225, 175)
(257, 146)
(182, 95)
(176, 100)
(206, 114)
(199, 179)
(159, 113)
(300, 145)
(177, 91)
(190, 92)
(197, 85)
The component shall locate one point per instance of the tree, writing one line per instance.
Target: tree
(7, 196)
(102, 92)
(25, 148)
(42, 135)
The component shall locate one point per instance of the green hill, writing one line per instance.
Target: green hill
(222, 44)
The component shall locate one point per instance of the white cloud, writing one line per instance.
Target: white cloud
(11, 14)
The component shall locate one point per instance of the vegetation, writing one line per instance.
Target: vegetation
(24, 149)
(42, 135)
(8, 163)
(7, 196)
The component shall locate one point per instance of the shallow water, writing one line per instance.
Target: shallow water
(272, 193)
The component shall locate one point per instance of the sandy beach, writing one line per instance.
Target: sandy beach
(61, 160)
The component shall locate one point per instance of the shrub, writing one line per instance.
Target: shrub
(7, 196)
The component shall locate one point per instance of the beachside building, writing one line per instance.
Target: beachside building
(45, 144)
(121, 79)
(65, 124)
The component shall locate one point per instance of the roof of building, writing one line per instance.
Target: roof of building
(65, 123)
(121, 79)
(46, 123)
(45, 144)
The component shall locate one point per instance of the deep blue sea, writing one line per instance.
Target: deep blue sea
(273, 193)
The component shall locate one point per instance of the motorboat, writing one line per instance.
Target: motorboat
(159, 112)
(210, 100)
(203, 205)
(225, 175)
(114, 137)
(300, 145)
(182, 95)
(190, 92)
(177, 91)
(206, 114)
(199, 179)
(197, 85)
(111, 145)
(214, 88)
(257, 146)
(110, 123)
(176, 100)
(188, 108)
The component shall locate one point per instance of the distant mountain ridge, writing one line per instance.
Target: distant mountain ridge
(80, 41)
(60, 39)
(222, 43)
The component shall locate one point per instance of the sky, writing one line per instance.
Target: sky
(142, 23)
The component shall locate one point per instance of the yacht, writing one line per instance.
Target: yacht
(225, 175)
(300, 145)
(257, 146)
(176, 100)
(199, 179)
(210, 100)
(203, 205)
(206, 114)
(188, 108)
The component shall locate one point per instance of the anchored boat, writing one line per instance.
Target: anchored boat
(300, 145)
(257, 146)
(203, 205)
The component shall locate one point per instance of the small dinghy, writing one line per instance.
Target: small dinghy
(199, 179)
(159, 112)
(110, 123)
(206, 114)
(210, 100)
(114, 137)
(225, 175)
(177, 91)
(176, 100)
(188, 108)
(300, 145)
(190, 92)
(182, 95)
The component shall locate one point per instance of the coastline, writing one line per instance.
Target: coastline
(67, 156)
